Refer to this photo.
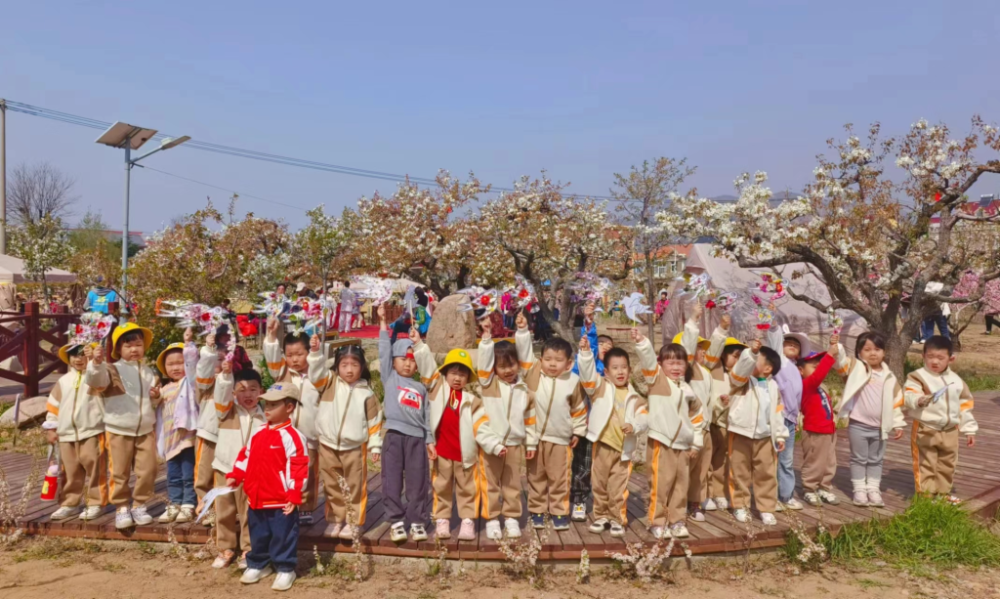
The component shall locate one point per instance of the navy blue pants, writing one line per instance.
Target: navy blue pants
(274, 538)
(180, 478)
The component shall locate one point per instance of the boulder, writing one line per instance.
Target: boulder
(450, 327)
(32, 411)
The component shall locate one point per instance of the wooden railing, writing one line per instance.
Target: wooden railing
(27, 342)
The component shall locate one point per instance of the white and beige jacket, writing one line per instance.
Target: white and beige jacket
(953, 408)
(76, 411)
(720, 383)
(304, 417)
(748, 399)
(208, 422)
(438, 394)
(675, 414)
(602, 396)
(348, 416)
(560, 411)
(128, 409)
(504, 415)
(236, 425)
(701, 377)
(858, 373)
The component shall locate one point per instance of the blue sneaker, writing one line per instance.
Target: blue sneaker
(560, 522)
(538, 520)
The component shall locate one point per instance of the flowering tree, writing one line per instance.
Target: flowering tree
(318, 245)
(42, 244)
(871, 240)
(94, 258)
(550, 237)
(963, 314)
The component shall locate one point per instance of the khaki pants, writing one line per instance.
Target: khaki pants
(228, 509)
(447, 478)
(700, 471)
(668, 484)
(609, 483)
(124, 455)
(85, 460)
(549, 476)
(500, 478)
(718, 483)
(753, 462)
(934, 456)
(310, 495)
(204, 476)
(352, 465)
(819, 461)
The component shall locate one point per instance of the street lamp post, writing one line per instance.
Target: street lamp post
(130, 137)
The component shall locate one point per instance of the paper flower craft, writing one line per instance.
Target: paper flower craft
(523, 293)
(273, 305)
(92, 328)
(379, 291)
(482, 301)
(834, 321)
(588, 287)
(723, 301)
(195, 316)
(696, 285)
(772, 284)
(765, 317)
(634, 308)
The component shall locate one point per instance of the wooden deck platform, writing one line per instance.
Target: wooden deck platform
(977, 482)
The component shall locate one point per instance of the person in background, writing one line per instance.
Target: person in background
(661, 307)
(790, 347)
(991, 319)
(347, 307)
(99, 298)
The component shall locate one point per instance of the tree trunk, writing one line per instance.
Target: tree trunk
(898, 343)
(650, 293)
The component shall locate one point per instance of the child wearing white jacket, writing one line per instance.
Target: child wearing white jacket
(617, 416)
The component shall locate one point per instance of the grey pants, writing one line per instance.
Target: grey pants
(404, 456)
(867, 452)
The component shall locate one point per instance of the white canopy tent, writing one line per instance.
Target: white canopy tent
(12, 271)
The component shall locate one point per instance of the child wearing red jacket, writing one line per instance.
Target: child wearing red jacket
(273, 468)
(819, 427)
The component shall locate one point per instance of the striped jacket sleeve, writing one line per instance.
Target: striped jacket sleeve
(743, 370)
(319, 372)
(426, 365)
(275, 358)
(689, 338)
(373, 414)
(914, 391)
(647, 360)
(205, 371)
(98, 378)
(715, 347)
(578, 411)
(641, 423)
(696, 414)
(530, 423)
(486, 437)
(484, 367)
(296, 474)
(967, 424)
(223, 394)
(589, 379)
(239, 471)
(525, 353)
(52, 407)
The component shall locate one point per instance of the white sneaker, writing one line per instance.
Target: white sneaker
(493, 531)
(417, 532)
(397, 534)
(721, 503)
(332, 530)
(347, 532)
(64, 513)
(709, 505)
(579, 512)
(860, 499)
(166, 517)
(697, 514)
(617, 530)
(241, 562)
(467, 532)
(209, 520)
(875, 498)
(679, 531)
(742, 515)
(442, 530)
(660, 532)
(141, 517)
(828, 497)
(512, 528)
(780, 507)
(813, 499)
(598, 526)
(123, 519)
(283, 581)
(768, 519)
(186, 514)
(253, 575)
(92, 512)
(793, 504)
(222, 561)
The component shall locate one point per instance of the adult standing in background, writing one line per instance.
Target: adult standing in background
(348, 306)
(99, 298)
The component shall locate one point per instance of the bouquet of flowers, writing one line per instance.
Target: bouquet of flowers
(834, 320)
(92, 328)
(523, 292)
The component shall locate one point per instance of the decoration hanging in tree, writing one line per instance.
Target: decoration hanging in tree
(765, 316)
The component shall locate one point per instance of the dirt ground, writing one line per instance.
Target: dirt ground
(50, 568)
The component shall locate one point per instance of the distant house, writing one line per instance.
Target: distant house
(668, 264)
(987, 206)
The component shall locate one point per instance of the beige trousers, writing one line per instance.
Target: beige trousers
(500, 480)
(451, 478)
(85, 462)
(819, 461)
(128, 453)
(549, 476)
(310, 495)
(718, 478)
(753, 462)
(204, 475)
(668, 484)
(229, 509)
(700, 471)
(609, 483)
(935, 454)
(352, 465)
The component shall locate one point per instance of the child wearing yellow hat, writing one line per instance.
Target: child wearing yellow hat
(131, 393)
(454, 468)
(75, 420)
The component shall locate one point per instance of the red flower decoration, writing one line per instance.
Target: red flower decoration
(79, 329)
(763, 326)
(709, 304)
(779, 287)
(206, 317)
(523, 294)
(102, 325)
(485, 300)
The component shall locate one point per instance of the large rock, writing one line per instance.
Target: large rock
(451, 328)
(32, 411)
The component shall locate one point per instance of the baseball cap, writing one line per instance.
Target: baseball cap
(402, 348)
(282, 391)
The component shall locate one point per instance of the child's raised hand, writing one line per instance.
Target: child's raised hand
(227, 367)
(414, 335)
(314, 343)
(698, 311)
(588, 312)
(381, 312)
(485, 329)
(210, 340)
(584, 343)
(834, 349)
(725, 322)
(755, 346)
(521, 322)
(272, 328)
(96, 354)
(188, 335)
(636, 335)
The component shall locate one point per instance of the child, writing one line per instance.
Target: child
(288, 363)
(236, 423)
(579, 489)
(207, 435)
(697, 347)
(408, 443)
(505, 422)
(75, 420)
(721, 357)
(676, 434)
(563, 420)
(941, 405)
(131, 394)
(790, 347)
(873, 404)
(176, 423)
(273, 468)
(617, 416)
(454, 470)
(819, 427)
(756, 432)
(349, 421)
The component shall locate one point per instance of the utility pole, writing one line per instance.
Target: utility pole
(3, 176)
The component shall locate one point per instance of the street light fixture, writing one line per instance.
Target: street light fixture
(130, 137)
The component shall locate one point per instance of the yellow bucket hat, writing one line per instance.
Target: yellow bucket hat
(734, 341)
(161, 360)
(702, 342)
(147, 336)
(458, 356)
(64, 352)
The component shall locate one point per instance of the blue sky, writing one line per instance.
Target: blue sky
(583, 89)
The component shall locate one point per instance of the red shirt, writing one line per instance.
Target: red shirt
(817, 405)
(449, 441)
(273, 467)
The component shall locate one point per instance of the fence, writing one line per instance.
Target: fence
(23, 335)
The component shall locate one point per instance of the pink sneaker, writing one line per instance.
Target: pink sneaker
(468, 531)
(875, 498)
(443, 529)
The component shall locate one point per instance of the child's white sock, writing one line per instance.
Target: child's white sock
(874, 484)
(859, 485)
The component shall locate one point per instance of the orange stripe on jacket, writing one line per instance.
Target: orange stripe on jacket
(915, 452)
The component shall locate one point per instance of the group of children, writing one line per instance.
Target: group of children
(716, 416)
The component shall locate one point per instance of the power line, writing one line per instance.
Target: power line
(226, 189)
(73, 119)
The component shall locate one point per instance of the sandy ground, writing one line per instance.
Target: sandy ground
(50, 568)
